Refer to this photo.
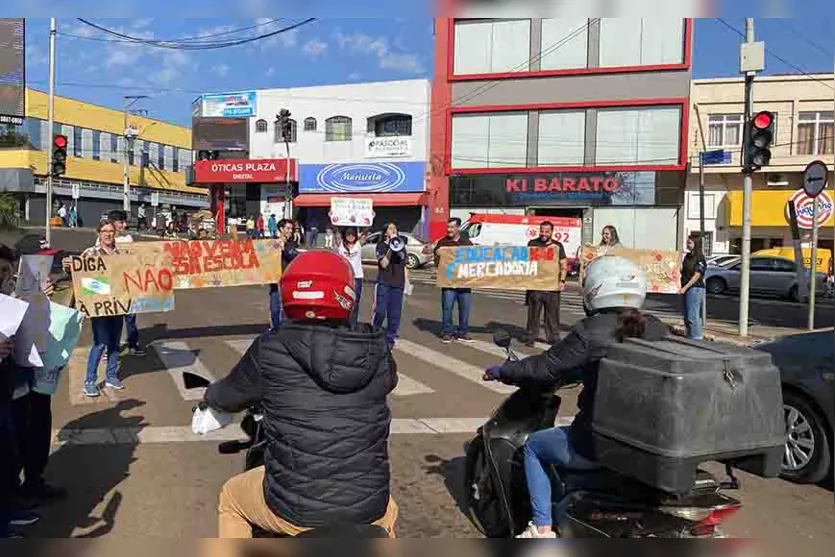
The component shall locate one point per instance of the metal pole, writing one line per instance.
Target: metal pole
(813, 264)
(288, 191)
(125, 165)
(747, 194)
(53, 29)
(702, 227)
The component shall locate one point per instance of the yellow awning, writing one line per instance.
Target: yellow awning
(768, 208)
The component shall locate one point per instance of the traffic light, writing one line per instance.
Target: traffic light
(59, 155)
(285, 125)
(760, 137)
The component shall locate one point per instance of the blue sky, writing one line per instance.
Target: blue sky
(333, 51)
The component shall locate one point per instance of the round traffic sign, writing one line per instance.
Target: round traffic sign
(804, 207)
(815, 178)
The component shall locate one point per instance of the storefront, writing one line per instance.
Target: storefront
(398, 191)
(643, 206)
(239, 189)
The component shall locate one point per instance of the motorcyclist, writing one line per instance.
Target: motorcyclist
(614, 290)
(322, 385)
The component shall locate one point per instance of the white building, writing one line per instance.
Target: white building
(366, 140)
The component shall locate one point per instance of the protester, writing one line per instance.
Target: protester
(449, 296)
(391, 284)
(329, 234)
(298, 233)
(289, 251)
(73, 216)
(259, 226)
(250, 227)
(693, 287)
(350, 249)
(549, 301)
(272, 226)
(120, 222)
(609, 237)
(312, 233)
(142, 220)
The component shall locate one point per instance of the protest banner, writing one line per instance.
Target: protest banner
(64, 331)
(13, 323)
(32, 278)
(217, 263)
(499, 267)
(141, 282)
(350, 211)
(662, 268)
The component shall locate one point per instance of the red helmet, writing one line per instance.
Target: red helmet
(318, 284)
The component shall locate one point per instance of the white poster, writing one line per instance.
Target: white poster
(272, 201)
(388, 147)
(351, 211)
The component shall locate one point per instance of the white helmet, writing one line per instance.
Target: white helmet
(613, 281)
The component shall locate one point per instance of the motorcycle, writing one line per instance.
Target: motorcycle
(596, 503)
(255, 446)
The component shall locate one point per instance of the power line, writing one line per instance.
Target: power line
(196, 39)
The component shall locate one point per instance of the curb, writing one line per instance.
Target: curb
(678, 330)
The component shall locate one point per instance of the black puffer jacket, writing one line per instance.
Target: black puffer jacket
(323, 390)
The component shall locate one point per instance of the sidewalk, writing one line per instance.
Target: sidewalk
(724, 332)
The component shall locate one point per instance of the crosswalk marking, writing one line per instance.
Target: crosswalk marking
(177, 358)
(452, 365)
(240, 345)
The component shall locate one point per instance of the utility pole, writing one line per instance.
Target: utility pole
(813, 270)
(53, 30)
(702, 204)
(130, 137)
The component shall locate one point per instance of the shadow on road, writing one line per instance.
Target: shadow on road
(435, 327)
(91, 471)
(453, 472)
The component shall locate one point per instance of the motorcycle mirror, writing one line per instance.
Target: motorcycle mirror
(192, 381)
(501, 338)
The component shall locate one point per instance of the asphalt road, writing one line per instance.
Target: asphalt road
(134, 469)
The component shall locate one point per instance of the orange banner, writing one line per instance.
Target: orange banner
(662, 268)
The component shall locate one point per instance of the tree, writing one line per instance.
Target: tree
(8, 212)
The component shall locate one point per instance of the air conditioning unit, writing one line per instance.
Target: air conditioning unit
(777, 181)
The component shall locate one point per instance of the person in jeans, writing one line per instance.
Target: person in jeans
(289, 251)
(693, 287)
(350, 249)
(542, 300)
(391, 284)
(120, 221)
(449, 296)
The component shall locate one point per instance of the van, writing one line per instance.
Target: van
(518, 230)
(787, 252)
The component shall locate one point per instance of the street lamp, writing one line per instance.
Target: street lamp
(130, 135)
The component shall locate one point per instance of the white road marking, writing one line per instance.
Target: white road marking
(240, 345)
(177, 358)
(447, 363)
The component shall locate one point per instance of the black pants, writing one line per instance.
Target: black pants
(32, 416)
(8, 459)
(550, 302)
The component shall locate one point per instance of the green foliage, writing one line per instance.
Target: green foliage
(8, 212)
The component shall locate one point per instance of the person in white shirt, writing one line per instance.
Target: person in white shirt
(142, 225)
(350, 249)
(62, 212)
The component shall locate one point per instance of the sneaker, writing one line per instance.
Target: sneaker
(138, 352)
(91, 390)
(23, 518)
(43, 491)
(464, 337)
(114, 384)
(446, 339)
(532, 532)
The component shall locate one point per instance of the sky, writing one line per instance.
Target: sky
(94, 68)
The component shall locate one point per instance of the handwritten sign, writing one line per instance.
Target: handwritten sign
(123, 284)
(349, 211)
(499, 267)
(218, 263)
(662, 268)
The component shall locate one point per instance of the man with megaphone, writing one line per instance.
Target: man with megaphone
(391, 281)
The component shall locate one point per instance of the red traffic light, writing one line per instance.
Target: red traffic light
(60, 141)
(763, 120)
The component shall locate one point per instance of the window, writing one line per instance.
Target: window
(784, 266)
(495, 140)
(161, 156)
(146, 154)
(279, 138)
(762, 264)
(310, 124)
(391, 125)
(815, 133)
(707, 243)
(565, 43)
(114, 149)
(261, 126)
(724, 130)
(492, 46)
(77, 142)
(562, 138)
(641, 42)
(96, 145)
(639, 136)
(32, 128)
(693, 206)
(175, 159)
(338, 128)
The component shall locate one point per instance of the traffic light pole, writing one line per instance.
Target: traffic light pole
(53, 28)
(747, 194)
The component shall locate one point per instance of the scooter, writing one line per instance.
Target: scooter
(255, 446)
(595, 503)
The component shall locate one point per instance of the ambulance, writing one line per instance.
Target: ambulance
(518, 230)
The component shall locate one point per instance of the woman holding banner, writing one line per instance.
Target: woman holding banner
(693, 287)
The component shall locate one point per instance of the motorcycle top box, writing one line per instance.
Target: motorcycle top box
(664, 408)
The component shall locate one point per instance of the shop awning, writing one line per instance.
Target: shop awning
(379, 199)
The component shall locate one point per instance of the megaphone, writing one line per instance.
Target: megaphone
(397, 244)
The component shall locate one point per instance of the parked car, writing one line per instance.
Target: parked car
(770, 276)
(808, 373)
(418, 253)
(722, 260)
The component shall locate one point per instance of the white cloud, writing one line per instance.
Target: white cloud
(221, 69)
(408, 63)
(354, 76)
(360, 43)
(142, 23)
(315, 47)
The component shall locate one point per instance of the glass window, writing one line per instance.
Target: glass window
(160, 156)
(393, 125)
(724, 130)
(261, 126)
(565, 43)
(32, 128)
(77, 142)
(57, 129)
(492, 46)
(815, 131)
(762, 264)
(115, 154)
(279, 138)
(562, 138)
(641, 42)
(146, 154)
(96, 145)
(784, 266)
(338, 128)
(638, 136)
(175, 159)
(496, 140)
(310, 124)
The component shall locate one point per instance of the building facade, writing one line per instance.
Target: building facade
(158, 162)
(804, 133)
(563, 117)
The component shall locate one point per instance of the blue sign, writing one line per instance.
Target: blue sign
(378, 177)
(229, 105)
(720, 156)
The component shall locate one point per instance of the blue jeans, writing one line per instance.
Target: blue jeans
(542, 449)
(464, 297)
(355, 314)
(133, 331)
(107, 333)
(389, 305)
(693, 300)
(276, 312)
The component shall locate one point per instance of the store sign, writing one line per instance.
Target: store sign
(243, 171)
(561, 183)
(382, 177)
(231, 105)
(388, 147)
(804, 205)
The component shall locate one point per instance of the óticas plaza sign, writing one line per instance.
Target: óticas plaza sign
(261, 171)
